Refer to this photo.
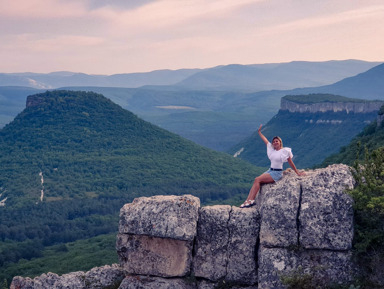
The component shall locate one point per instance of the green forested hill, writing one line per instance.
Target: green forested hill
(372, 137)
(70, 160)
(85, 145)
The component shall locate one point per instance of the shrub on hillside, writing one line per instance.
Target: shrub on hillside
(369, 217)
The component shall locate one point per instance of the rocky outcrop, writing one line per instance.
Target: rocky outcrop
(299, 224)
(156, 235)
(226, 244)
(307, 223)
(97, 278)
(356, 107)
(34, 100)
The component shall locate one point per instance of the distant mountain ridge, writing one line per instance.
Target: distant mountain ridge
(254, 77)
(219, 119)
(365, 85)
(275, 76)
(65, 78)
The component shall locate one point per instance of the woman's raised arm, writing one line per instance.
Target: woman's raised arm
(262, 136)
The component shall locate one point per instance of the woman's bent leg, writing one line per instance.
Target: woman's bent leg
(262, 179)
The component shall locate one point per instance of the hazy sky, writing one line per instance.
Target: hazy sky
(123, 36)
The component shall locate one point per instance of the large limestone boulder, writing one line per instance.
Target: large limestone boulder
(273, 262)
(279, 213)
(226, 244)
(172, 217)
(146, 255)
(313, 211)
(244, 227)
(326, 212)
(323, 267)
(307, 222)
(156, 235)
(211, 243)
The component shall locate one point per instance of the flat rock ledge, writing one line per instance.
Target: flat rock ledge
(299, 224)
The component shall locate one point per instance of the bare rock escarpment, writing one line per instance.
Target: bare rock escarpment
(356, 107)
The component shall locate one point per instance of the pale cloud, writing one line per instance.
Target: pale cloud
(132, 36)
(172, 16)
(367, 15)
(118, 4)
(58, 43)
(51, 9)
(63, 42)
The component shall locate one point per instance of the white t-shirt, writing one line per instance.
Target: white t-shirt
(279, 157)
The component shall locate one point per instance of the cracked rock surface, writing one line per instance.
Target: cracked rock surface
(172, 217)
(307, 223)
(226, 244)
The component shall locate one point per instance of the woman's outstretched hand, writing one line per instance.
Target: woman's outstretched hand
(261, 135)
(301, 173)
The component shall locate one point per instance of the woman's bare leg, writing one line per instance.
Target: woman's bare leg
(262, 179)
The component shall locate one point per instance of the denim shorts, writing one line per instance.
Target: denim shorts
(276, 175)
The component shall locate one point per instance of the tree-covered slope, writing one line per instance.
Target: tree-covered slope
(321, 98)
(82, 144)
(372, 137)
(312, 135)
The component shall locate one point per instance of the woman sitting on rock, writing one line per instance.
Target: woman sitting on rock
(277, 155)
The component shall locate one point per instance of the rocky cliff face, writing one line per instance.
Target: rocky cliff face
(34, 100)
(300, 224)
(356, 107)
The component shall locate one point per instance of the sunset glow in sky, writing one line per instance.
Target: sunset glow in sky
(124, 36)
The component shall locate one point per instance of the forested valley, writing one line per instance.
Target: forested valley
(71, 160)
